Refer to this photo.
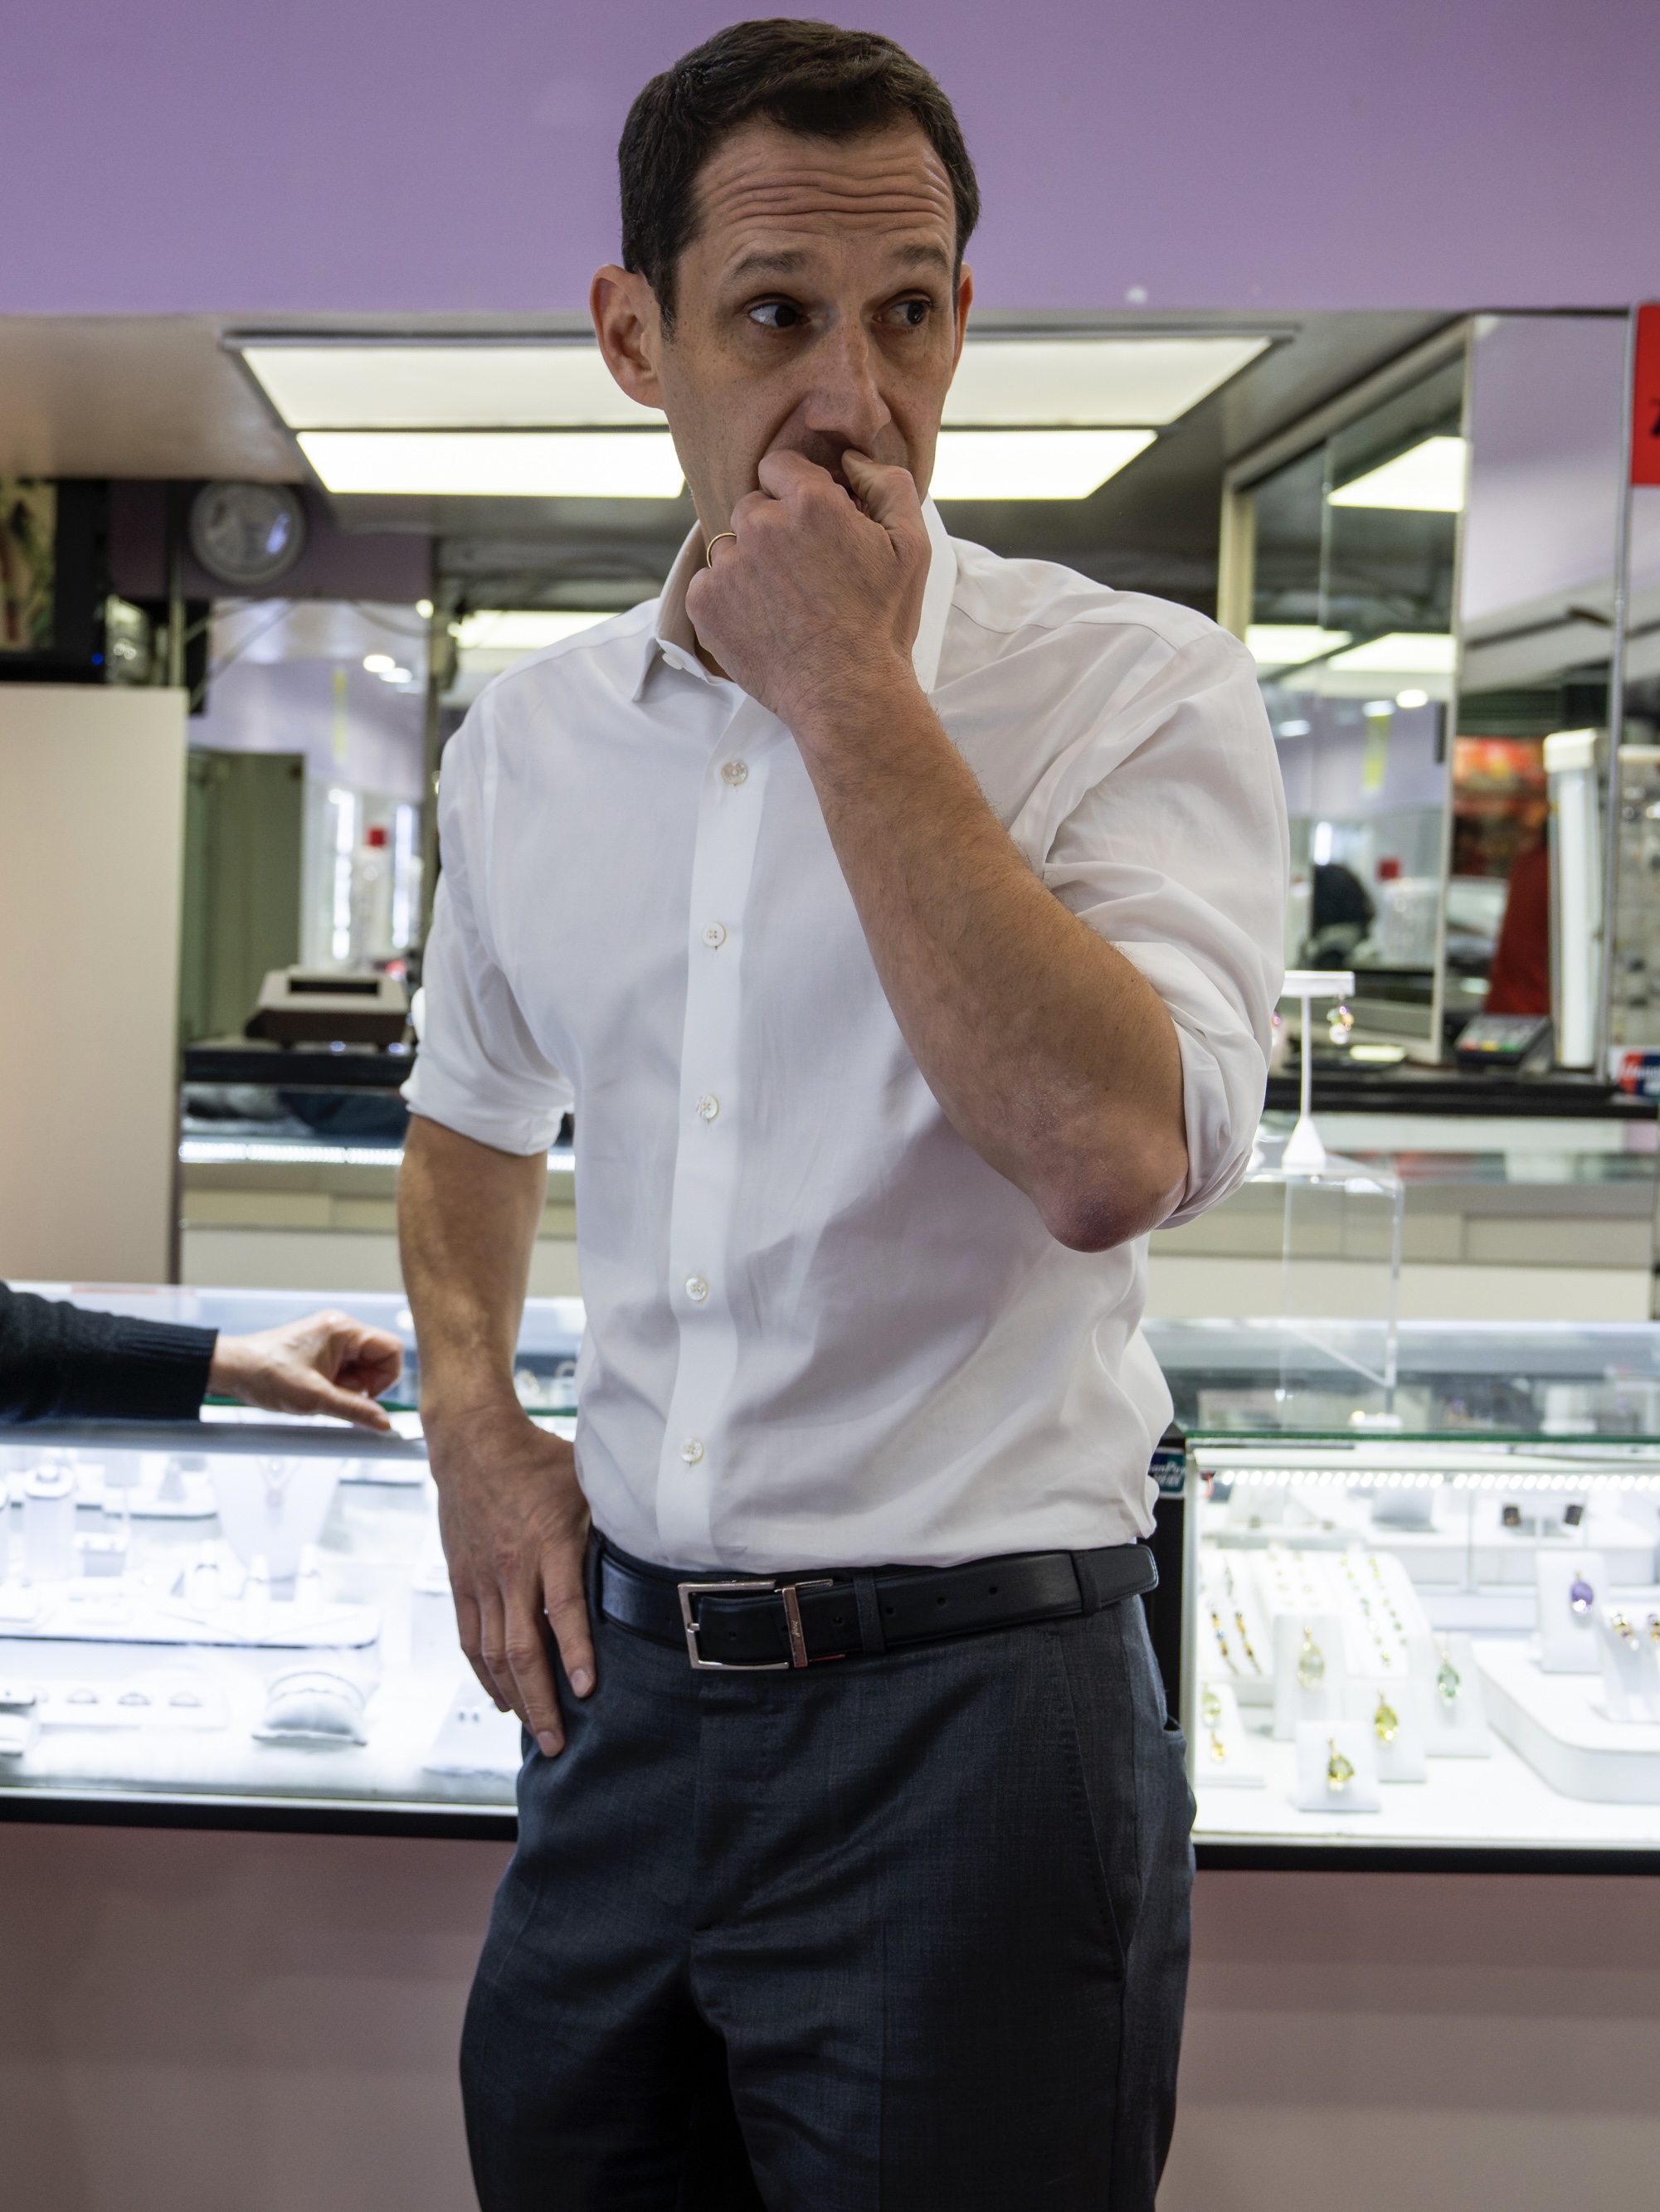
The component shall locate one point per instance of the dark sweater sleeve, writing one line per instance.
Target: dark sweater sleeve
(59, 1363)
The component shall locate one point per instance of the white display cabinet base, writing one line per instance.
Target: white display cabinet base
(1559, 1724)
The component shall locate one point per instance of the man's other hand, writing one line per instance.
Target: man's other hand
(326, 1363)
(515, 1529)
(820, 597)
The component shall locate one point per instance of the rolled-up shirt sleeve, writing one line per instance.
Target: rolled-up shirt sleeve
(1164, 829)
(479, 1071)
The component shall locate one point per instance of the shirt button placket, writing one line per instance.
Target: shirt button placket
(729, 817)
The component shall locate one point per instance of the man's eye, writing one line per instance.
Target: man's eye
(912, 313)
(775, 315)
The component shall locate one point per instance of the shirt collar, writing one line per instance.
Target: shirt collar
(671, 634)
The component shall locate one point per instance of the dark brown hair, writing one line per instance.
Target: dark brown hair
(811, 78)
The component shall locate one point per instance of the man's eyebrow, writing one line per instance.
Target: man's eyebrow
(790, 261)
(784, 261)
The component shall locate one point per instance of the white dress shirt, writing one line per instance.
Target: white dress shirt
(821, 1330)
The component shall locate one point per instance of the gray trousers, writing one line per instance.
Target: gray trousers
(894, 1933)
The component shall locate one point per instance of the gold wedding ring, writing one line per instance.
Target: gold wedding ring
(708, 550)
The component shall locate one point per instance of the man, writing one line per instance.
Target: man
(61, 1362)
(904, 924)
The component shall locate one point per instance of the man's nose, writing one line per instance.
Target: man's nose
(845, 401)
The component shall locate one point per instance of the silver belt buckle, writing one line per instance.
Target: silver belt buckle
(791, 1621)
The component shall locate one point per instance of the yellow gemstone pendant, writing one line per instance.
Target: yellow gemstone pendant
(1210, 1707)
(1386, 1722)
(1340, 1772)
(1311, 1663)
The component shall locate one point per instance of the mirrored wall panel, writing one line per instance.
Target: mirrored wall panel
(1351, 546)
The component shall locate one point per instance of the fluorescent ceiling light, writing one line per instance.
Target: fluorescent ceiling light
(1401, 653)
(1287, 645)
(365, 385)
(1428, 478)
(1031, 463)
(497, 465)
(521, 630)
(443, 387)
(1095, 380)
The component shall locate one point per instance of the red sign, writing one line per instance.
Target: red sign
(1645, 400)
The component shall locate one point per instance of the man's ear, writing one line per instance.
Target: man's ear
(964, 301)
(629, 329)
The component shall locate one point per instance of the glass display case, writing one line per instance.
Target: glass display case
(1424, 1617)
(247, 1616)
(1410, 1602)
(255, 1614)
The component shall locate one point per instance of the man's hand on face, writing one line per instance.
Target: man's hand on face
(515, 1529)
(817, 602)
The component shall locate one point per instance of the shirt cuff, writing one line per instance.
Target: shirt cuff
(431, 1093)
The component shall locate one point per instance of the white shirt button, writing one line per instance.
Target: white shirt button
(674, 659)
(696, 1289)
(714, 936)
(707, 1106)
(692, 1450)
(734, 772)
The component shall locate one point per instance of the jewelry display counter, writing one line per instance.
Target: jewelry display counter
(236, 1614)
(1420, 1617)
(1435, 1628)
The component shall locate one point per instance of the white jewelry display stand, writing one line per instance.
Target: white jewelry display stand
(1454, 1709)
(1630, 1655)
(1304, 1153)
(1394, 1711)
(1568, 1632)
(313, 1705)
(474, 1738)
(1309, 1673)
(1225, 1756)
(49, 1523)
(1324, 1750)
(272, 1509)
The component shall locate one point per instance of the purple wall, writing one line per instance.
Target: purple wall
(290, 156)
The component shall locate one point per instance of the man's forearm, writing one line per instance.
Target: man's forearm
(1051, 1053)
(467, 1217)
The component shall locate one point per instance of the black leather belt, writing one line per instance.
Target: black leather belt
(755, 1621)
